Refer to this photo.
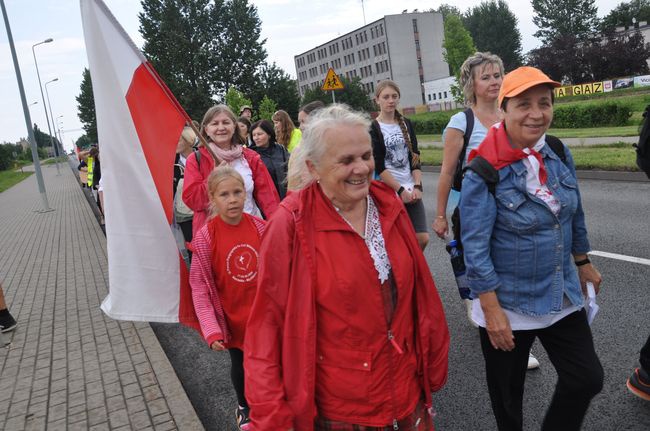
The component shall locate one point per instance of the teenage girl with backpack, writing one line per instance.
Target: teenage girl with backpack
(397, 158)
(223, 276)
(481, 76)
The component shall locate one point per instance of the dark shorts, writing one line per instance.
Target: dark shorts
(418, 217)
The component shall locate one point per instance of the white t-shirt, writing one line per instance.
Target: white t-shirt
(397, 155)
(459, 122)
(241, 166)
(523, 322)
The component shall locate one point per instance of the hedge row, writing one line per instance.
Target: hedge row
(432, 123)
(591, 115)
(577, 116)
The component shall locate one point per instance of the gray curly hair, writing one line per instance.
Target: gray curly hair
(471, 64)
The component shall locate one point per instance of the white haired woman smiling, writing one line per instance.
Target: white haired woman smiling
(347, 330)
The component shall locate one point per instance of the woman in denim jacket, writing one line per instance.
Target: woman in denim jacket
(523, 240)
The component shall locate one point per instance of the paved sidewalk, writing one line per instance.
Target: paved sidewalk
(69, 366)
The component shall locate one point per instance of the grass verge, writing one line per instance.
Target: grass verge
(11, 178)
(620, 156)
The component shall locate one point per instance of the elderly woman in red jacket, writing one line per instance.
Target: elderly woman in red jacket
(347, 330)
(218, 128)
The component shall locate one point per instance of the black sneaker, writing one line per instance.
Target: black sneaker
(7, 321)
(243, 420)
(638, 385)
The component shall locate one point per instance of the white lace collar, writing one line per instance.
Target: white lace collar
(374, 240)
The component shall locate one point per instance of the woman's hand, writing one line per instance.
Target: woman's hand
(589, 273)
(441, 227)
(496, 323)
(407, 197)
(217, 345)
(416, 195)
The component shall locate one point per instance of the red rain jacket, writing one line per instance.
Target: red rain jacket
(280, 346)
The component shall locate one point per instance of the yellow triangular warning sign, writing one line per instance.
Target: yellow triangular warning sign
(332, 81)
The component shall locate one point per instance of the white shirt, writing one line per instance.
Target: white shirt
(397, 155)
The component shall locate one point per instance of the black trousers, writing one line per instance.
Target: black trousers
(644, 358)
(570, 348)
(237, 375)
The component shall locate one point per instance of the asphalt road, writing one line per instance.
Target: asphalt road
(617, 218)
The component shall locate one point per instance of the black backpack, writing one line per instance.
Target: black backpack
(491, 176)
(643, 147)
(458, 175)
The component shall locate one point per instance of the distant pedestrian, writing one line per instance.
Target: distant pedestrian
(246, 112)
(244, 128)
(223, 275)
(219, 127)
(305, 112)
(397, 158)
(274, 155)
(525, 247)
(182, 213)
(7, 321)
(285, 131)
(639, 381)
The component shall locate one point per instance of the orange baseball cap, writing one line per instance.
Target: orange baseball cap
(521, 79)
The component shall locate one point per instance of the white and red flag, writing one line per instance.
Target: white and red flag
(138, 123)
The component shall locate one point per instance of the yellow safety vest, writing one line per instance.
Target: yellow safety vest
(91, 165)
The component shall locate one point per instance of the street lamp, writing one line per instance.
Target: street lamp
(40, 86)
(28, 119)
(54, 147)
(59, 126)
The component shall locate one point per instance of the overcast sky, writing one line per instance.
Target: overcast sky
(290, 27)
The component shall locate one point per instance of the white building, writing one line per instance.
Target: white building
(406, 48)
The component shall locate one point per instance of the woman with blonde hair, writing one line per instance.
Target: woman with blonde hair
(285, 131)
(219, 128)
(397, 158)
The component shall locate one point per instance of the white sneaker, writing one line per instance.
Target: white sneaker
(533, 363)
(468, 306)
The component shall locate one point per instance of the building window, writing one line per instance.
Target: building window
(445, 94)
(415, 25)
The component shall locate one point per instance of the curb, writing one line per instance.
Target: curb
(635, 177)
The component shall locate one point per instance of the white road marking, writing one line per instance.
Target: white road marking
(621, 257)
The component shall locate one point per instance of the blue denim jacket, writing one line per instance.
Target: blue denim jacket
(513, 243)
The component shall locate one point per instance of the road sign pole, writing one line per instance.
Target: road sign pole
(333, 98)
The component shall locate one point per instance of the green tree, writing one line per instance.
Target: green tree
(458, 45)
(6, 156)
(86, 107)
(267, 108)
(241, 52)
(180, 38)
(43, 139)
(617, 55)
(446, 10)
(354, 95)
(560, 18)
(493, 28)
(278, 86)
(316, 93)
(235, 100)
(622, 15)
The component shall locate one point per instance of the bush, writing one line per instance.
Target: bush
(431, 123)
(581, 116)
